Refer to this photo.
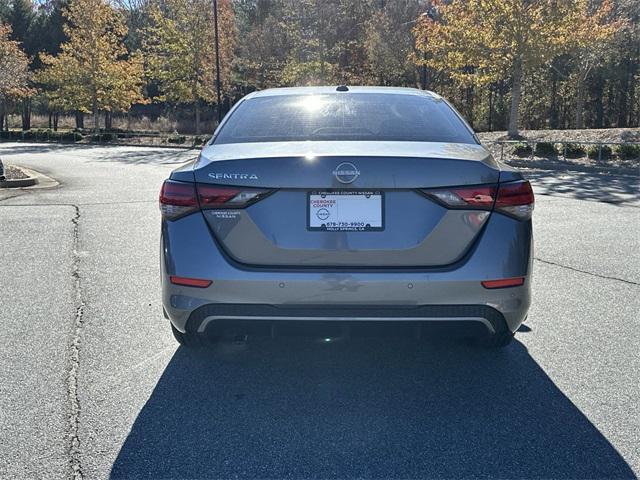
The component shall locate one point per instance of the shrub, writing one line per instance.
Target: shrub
(546, 149)
(103, 137)
(522, 149)
(71, 137)
(10, 135)
(573, 150)
(594, 152)
(180, 139)
(628, 151)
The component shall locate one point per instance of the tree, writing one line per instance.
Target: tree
(21, 18)
(481, 41)
(389, 41)
(589, 43)
(14, 71)
(93, 72)
(180, 50)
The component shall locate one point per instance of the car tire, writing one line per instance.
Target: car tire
(186, 339)
(498, 340)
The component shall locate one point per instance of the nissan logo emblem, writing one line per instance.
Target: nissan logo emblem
(346, 172)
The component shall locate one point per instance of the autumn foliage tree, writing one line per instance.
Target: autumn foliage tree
(180, 49)
(93, 72)
(481, 41)
(589, 41)
(14, 71)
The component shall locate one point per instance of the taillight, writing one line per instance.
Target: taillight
(480, 197)
(514, 198)
(216, 196)
(177, 199)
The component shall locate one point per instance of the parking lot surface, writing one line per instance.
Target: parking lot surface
(93, 385)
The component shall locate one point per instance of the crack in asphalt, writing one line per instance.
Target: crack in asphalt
(606, 277)
(74, 360)
(9, 197)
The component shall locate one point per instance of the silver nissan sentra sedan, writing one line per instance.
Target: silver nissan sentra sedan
(345, 207)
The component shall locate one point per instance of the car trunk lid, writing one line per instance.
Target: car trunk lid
(278, 230)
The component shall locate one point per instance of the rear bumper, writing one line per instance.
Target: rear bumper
(451, 294)
(266, 318)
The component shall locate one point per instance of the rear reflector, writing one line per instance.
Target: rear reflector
(503, 282)
(190, 282)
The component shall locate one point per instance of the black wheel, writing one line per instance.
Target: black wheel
(187, 339)
(498, 340)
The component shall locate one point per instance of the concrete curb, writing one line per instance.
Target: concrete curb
(35, 180)
(30, 181)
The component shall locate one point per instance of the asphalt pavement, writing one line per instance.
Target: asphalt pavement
(92, 385)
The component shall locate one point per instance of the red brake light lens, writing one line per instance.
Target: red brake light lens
(480, 197)
(516, 199)
(216, 196)
(513, 198)
(177, 199)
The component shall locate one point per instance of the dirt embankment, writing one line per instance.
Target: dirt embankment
(569, 149)
(604, 135)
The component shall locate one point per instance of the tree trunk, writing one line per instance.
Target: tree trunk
(624, 96)
(470, 97)
(198, 117)
(2, 109)
(26, 114)
(50, 121)
(598, 91)
(516, 91)
(96, 125)
(56, 116)
(553, 108)
(580, 104)
(108, 121)
(632, 92)
(580, 91)
(490, 119)
(79, 120)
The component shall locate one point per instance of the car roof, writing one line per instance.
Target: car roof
(270, 92)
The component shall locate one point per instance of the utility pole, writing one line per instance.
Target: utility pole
(215, 26)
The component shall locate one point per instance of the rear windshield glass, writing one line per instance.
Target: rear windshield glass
(344, 116)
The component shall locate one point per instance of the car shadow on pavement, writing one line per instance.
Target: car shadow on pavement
(364, 408)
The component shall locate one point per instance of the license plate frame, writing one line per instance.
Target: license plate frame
(345, 225)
